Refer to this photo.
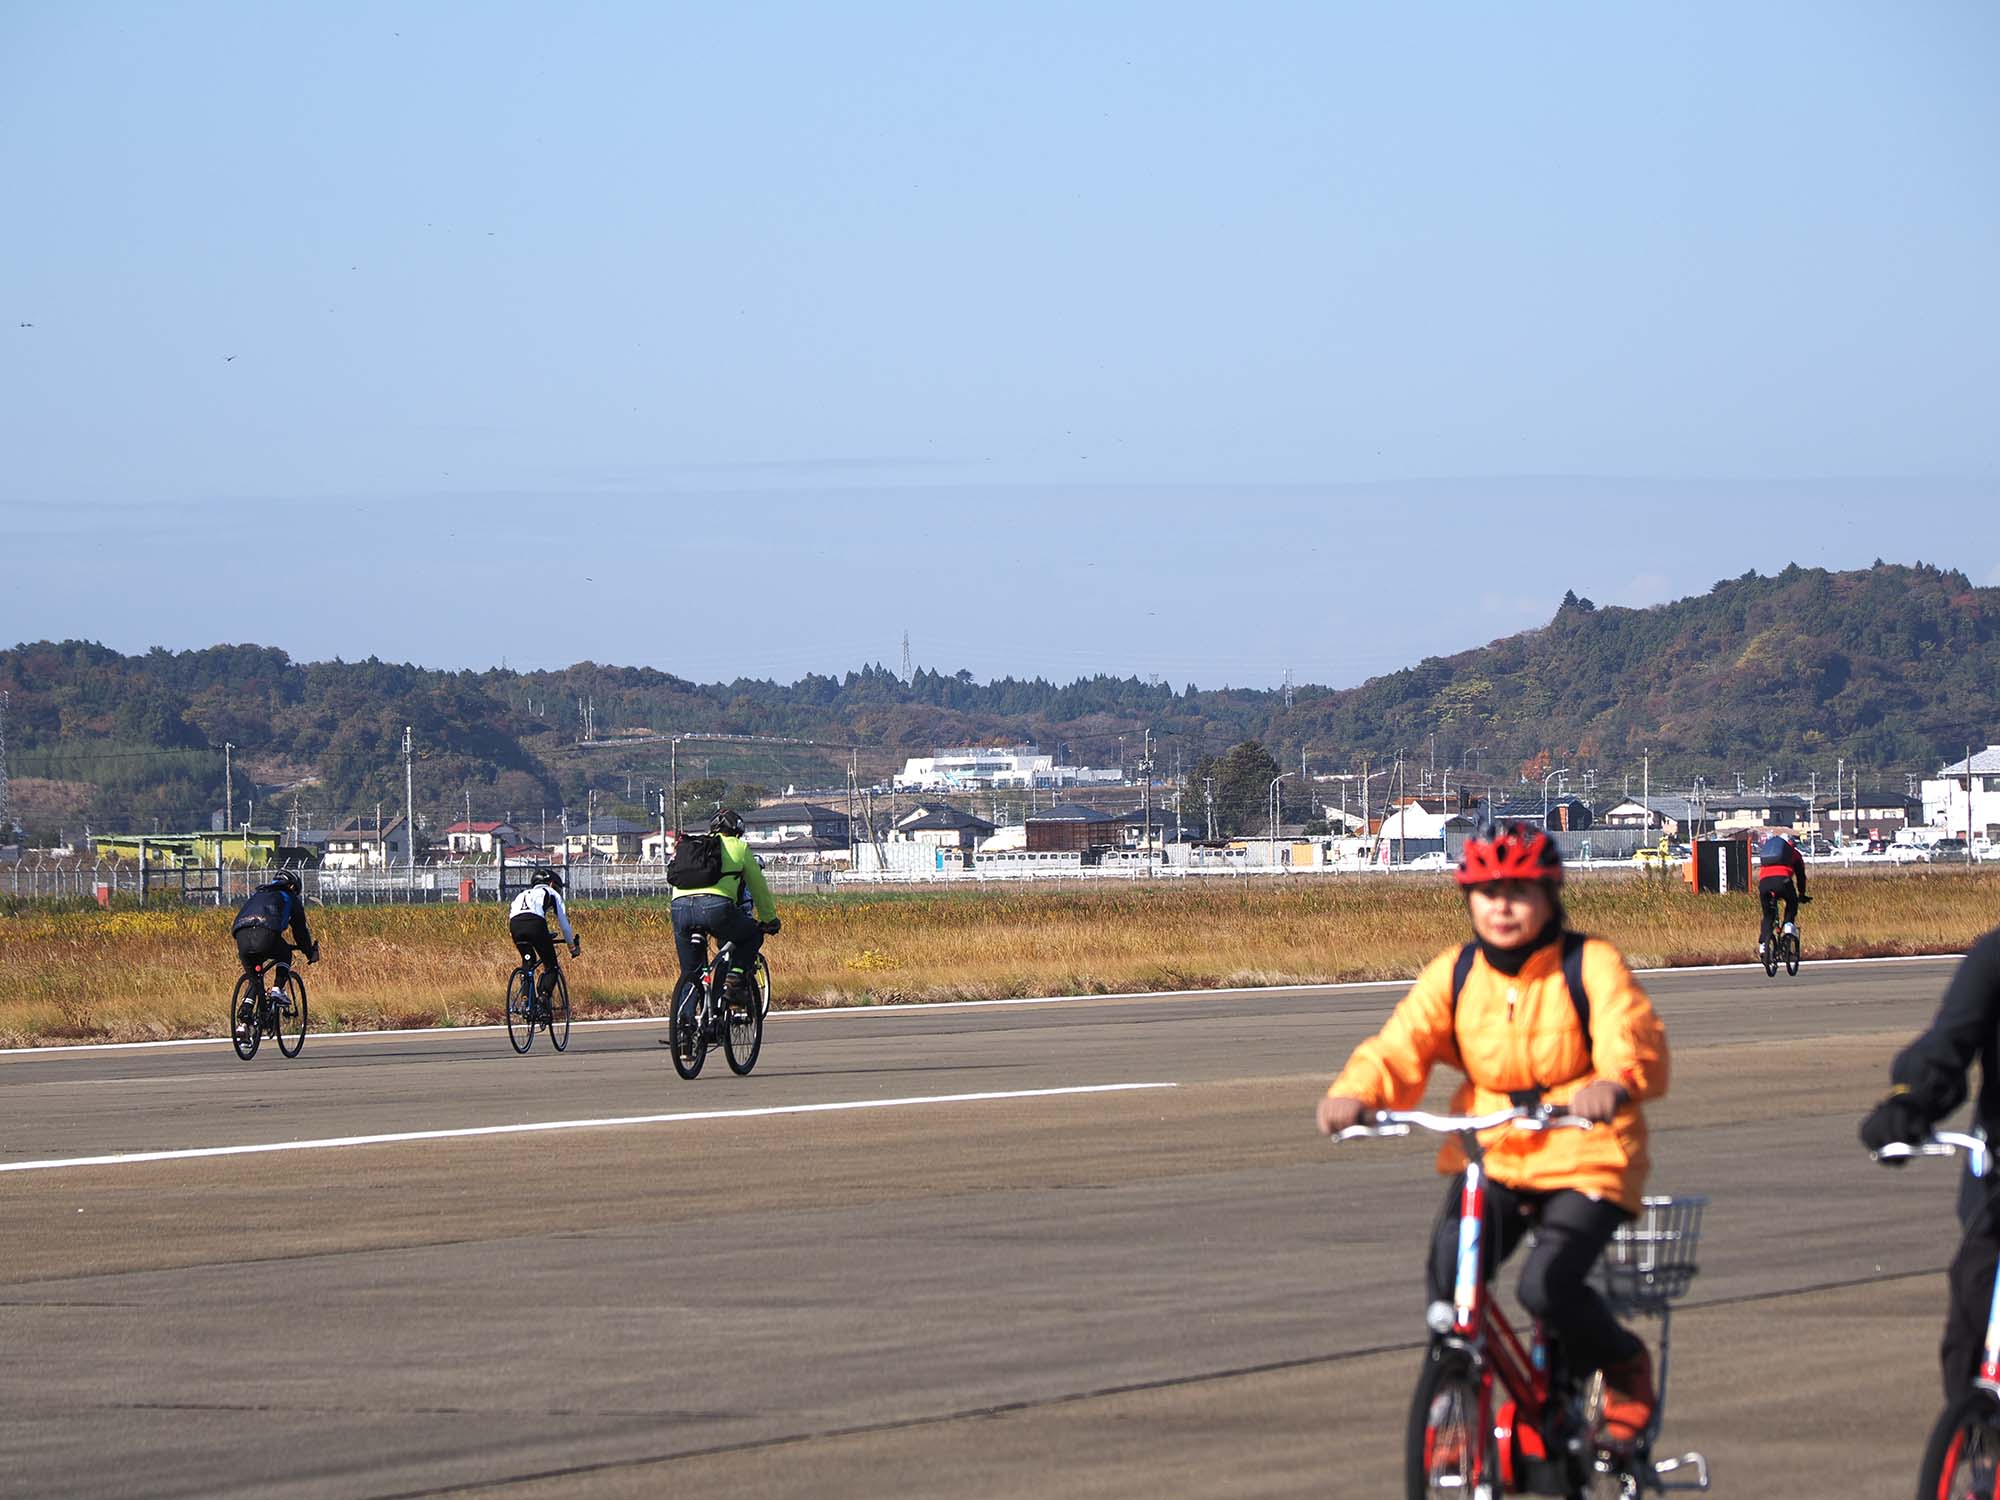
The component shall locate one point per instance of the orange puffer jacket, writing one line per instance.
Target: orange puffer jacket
(1521, 1033)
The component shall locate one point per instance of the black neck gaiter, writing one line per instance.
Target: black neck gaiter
(1510, 961)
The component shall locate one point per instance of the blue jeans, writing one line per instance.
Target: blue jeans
(725, 921)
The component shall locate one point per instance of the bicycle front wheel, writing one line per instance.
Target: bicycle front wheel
(1963, 1455)
(558, 1017)
(521, 1009)
(1447, 1457)
(244, 1030)
(1792, 955)
(686, 1035)
(292, 1015)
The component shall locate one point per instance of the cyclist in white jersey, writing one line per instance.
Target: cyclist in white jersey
(528, 925)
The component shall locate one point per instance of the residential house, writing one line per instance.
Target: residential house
(941, 827)
(1870, 815)
(608, 837)
(1747, 812)
(1966, 795)
(1563, 814)
(355, 845)
(1675, 817)
(469, 839)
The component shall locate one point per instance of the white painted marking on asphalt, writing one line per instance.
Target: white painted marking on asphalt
(399, 1137)
(919, 1007)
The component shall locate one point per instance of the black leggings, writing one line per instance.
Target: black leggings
(1768, 897)
(532, 936)
(1571, 1231)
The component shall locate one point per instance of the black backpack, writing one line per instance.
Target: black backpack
(1579, 997)
(697, 862)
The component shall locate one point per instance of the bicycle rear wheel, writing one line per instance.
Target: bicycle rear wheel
(687, 1035)
(1792, 954)
(1769, 957)
(558, 1018)
(291, 1015)
(743, 1022)
(244, 1030)
(521, 1008)
(1963, 1455)
(1447, 1456)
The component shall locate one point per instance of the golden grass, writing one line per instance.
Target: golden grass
(73, 974)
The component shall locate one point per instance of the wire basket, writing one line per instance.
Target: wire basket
(1651, 1261)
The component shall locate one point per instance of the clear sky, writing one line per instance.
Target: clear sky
(1160, 338)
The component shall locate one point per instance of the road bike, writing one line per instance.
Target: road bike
(702, 1016)
(1783, 947)
(1962, 1457)
(278, 1010)
(527, 1008)
(1493, 1415)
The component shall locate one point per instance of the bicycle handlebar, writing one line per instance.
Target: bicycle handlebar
(1943, 1143)
(1395, 1122)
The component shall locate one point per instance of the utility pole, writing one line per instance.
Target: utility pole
(228, 787)
(906, 658)
(1208, 792)
(409, 804)
(6, 812)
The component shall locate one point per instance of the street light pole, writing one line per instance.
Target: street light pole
(1271, 803)
(1560, 771)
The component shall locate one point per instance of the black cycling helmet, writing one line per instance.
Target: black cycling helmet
(545, 876)
(287, 880)
(727, 820)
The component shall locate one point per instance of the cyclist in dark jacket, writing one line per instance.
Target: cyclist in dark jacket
(259, 928)
(1930, 1082)
(1781, 876)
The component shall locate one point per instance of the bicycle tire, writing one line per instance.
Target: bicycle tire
(1792, 954)
(245, 1033)
(558, 1021)
(521, 1009)
(1769, 959)
(743, 1023)
(1446, 1456)
(686, 1035)
(294, 1009)
(1963, 1453)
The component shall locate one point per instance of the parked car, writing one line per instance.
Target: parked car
(1909, 854)
(1652, 857)
(1435, 860)
(1877, 846)
(1949, 850)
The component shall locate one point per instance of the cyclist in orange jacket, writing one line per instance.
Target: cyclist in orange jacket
(1501, 1010)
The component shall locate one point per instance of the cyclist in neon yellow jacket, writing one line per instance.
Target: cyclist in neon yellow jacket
(712, 906)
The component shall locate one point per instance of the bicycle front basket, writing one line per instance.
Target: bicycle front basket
(1651, 1261)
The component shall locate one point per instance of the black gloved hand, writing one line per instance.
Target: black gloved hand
(1805, 901)
(771, 927)
(312, 956)
(1896, 1118)
(576, 947)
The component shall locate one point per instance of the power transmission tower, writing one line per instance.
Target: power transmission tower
(906, 658)
(1288, 689)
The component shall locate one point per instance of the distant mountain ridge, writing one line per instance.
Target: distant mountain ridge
(1891, 667)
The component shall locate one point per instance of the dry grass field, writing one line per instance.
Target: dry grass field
(82, 974)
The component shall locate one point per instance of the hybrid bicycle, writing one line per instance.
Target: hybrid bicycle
(1492, 1415)
(527, 1009)
(702, 1016)
(279, 1009)
(1962, 1457)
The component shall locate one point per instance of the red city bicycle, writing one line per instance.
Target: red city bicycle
(1493, 1415)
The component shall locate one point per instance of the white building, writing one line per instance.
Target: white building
(1966, 795)
(479, 838)
(355, 846)
(1017, 768)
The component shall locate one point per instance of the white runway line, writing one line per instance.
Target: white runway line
(328, 1143)
(919, 1007)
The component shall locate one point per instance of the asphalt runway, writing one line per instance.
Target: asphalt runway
(889, 1261)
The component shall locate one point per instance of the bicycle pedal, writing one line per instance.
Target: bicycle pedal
(1695, 1461)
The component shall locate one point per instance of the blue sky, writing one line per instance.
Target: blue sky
(1143, 338)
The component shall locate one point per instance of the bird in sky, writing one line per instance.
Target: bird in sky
(27, 325)
(227, 358)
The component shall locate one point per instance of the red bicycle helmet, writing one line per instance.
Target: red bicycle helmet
(1512, 852)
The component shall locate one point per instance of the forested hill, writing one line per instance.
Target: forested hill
(1893, 667)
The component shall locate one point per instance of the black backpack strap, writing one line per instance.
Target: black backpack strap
(1460, 972)
(1573, 979)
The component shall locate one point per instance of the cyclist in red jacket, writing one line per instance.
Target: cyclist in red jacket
(1781, 876)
